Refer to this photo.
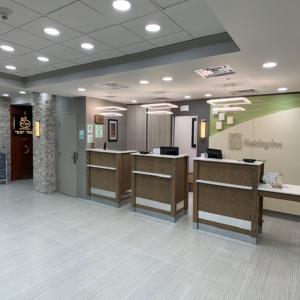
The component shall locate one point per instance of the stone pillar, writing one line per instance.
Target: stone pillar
(44, 170)
(5, 130)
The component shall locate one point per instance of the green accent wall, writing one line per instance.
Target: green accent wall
(261, 106)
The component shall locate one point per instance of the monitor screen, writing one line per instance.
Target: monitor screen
(214, 153)
(169, 150)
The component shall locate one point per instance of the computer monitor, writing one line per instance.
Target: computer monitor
(214, 153)
(169, 151)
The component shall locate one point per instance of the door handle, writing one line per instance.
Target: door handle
(27, 150)
(74, 157)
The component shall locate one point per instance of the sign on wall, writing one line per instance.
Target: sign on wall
(22, 125)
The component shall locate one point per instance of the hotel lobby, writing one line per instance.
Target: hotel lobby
(149, 149)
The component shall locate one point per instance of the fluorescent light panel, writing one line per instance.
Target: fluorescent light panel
(228, 109)
(229, 101)
(160, 106)
(159, 112)
(111, 114)
(111, 108)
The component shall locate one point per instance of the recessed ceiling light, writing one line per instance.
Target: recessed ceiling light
(144, 81)
(111, 114)
(187, 97)
(159, 106)
(229, 101)
(167, 78)
(159, 112)
(81, 89)
(152, 27)
(282, 89)
(87, 46)
(5, 95)
(111, 108)
(228, 109)
(269, 65)
(51, 31)
(133, 101)
(12, 68)
(22, 92)
(121, 5)
(7, 48)
(43, 58)
(207, 95)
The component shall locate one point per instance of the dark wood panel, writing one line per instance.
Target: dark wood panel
(103, 159)
(280, 196)
(154, 164)
(125, 179)
(102, 179)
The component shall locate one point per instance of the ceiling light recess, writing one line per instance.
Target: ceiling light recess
(43, 59)
(133, 101)
(217, 110)
(87, 46)
(207, 95)
(111, 114)
(159, 106)
(7, 48)
(81, 89)
(167, 78)
(229, 101)
(282, 89)
(5, 95)
(22, 92)
(269, 65)
(121, 5)
(12, 68)
(187, 97)
(159, 112)
(111, 108)
(144, 81)
(51, 31)
(152, 27)
(215, 71)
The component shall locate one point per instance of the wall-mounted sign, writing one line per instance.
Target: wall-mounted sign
(98, 131)
(90, 128)
(22, 125)
(184, 108)
(98, 119)
(81, 134)
(235, 141)
(90, 139)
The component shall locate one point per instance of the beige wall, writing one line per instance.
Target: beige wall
(281, 127)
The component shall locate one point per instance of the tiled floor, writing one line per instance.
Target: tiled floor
(57, 247)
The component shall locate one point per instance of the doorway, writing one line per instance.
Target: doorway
(21, 142)
(67, 154)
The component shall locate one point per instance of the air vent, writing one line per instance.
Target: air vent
(244, 92)
(161, 98)
(114, 86)
(215, 71)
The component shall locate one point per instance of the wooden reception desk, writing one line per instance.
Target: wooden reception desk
(226, 198)
(160, 185)
(109, 175)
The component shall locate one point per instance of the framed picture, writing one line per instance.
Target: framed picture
(194, 133)
(112, 130)
(98, 119)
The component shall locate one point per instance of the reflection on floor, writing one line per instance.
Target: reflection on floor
(58, 247)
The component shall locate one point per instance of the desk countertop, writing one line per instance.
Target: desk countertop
(160, 156)
(230, 161)
(288, 189)
(110, 151)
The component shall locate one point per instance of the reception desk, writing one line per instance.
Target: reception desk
(160, 185)
(226, 198)
(109, 175)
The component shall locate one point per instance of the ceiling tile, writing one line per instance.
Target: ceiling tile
(18, 50)
(171, 39)
(5, 28)
(139, 47)
(138, 9)
(76, 45)
(37, 27)
(166, 3)
(102, 56)
(138, 26)
(44, 6)
(26, 39)
(80, 17)
(196, 18)
(31, 72)
(20, 16)
(62, 52)
(116, 36)
(63, 65)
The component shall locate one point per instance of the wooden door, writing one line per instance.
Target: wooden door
(21, 142)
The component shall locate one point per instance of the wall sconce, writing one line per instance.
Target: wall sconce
(203, 129)
(37, 128)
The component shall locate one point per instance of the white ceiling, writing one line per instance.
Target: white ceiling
(113, 33)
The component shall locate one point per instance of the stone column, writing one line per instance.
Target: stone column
(5, 130)
(44, 171)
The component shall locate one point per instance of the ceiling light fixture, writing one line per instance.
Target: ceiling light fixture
(111, 108)
(43, 59)
(87, 46)
(282, 89)
(121, 5)
(5, 95)
(133, 101)
(228, 109)
(144, 82)
(51, 31)
(7, 48)
(159, 106)
(81, 89)
(229, 101)
(22, 92)
(207, 95)
(269, 65)
(159, 112)
(167, 78)
(187, 97)
(111, 114)
(11, 68)
(152, 27)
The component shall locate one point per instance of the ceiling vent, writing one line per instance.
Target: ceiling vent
(244, 92)
(215, 71)
(114, 86)
(161, 98)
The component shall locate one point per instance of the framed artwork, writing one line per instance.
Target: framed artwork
(98, 119)
(112, 130)
(194, 132)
